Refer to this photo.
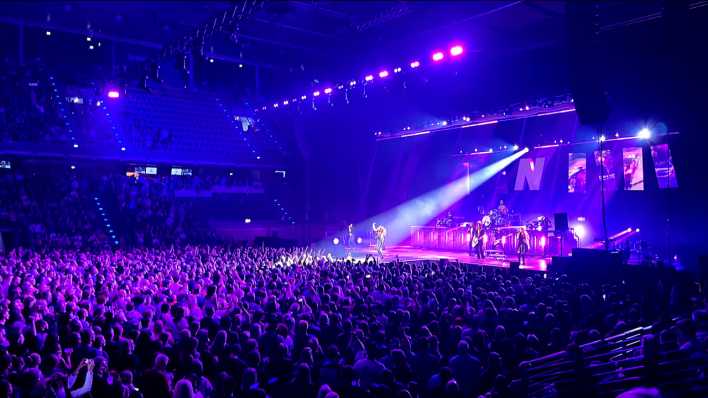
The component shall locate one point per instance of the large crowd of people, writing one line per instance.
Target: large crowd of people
(220, 321)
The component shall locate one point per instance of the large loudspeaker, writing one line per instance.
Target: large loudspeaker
(586, 63)
(560, 222)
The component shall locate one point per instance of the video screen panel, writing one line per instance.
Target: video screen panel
(633, 169)
(577, 172)
(664, 166)
(604, 163)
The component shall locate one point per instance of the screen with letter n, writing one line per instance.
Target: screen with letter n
(633, 169)
(664, 166)
(604, 163)
(577, 172)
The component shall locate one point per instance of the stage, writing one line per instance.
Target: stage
(409, 253)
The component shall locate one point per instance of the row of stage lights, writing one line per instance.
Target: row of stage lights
(645, 133)
(542, 107)
(437, 56)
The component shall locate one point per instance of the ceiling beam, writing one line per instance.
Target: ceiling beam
(79, 32)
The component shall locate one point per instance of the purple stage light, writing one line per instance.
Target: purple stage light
(113, 94)
(275, 105)
(415, 64)
(335, 241)
(383, 73)
(369, 78)
(456, 50)
(438, 56)
(286, 102)
(316, 94)
(327, 90)
(397, 70)
(352, 83)
(304, 97)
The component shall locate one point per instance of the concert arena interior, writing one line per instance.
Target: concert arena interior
(348, 199)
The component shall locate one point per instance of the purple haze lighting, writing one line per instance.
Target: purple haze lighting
(438, 56)
(113, 94)
(383, 73)
(456, 50)
(369, 78)
(327, 90)
(415, 64)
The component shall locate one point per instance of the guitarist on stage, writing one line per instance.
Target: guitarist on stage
(477, 241)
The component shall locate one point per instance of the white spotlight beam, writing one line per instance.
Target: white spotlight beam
(422, 209)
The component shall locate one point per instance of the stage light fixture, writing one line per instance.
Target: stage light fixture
(91, 47)
(415, 64)
(397, 70)
(327, 90)
(247, 221)
(438, 56)
(644, 134)
(113, 94)
(456, 50)
(335, 241)
(48, 33)
(122, 148)
(580, 231)
(304, 97)
(211, 60)
(316, 94)
(88, 38)
(275, 105)
(515, 147)
(369, 78)
(286, 102)
(352, 83)
(603, 138)
(383, 74)
(359, 240)
(76, 145)
(240, 65)
(636, 230)
(73, 167)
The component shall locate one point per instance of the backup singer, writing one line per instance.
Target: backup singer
(477, 240)
(380, 233)
(523, 239)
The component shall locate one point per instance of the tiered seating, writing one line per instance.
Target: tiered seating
(177, 125)
(607, 367)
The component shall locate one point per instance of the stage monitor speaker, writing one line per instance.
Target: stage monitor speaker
(514, 265)
(560, 222)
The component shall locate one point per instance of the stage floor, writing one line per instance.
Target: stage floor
(409, 253)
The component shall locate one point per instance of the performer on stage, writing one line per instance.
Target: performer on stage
(503, 210)
(523, 240)
(477, 240)
(350, 235)
(380, 233)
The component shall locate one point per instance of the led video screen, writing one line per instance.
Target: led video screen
(664, 166)
(633, 169)
(577, 172)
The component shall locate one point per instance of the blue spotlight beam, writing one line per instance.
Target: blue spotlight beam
(422, 209)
